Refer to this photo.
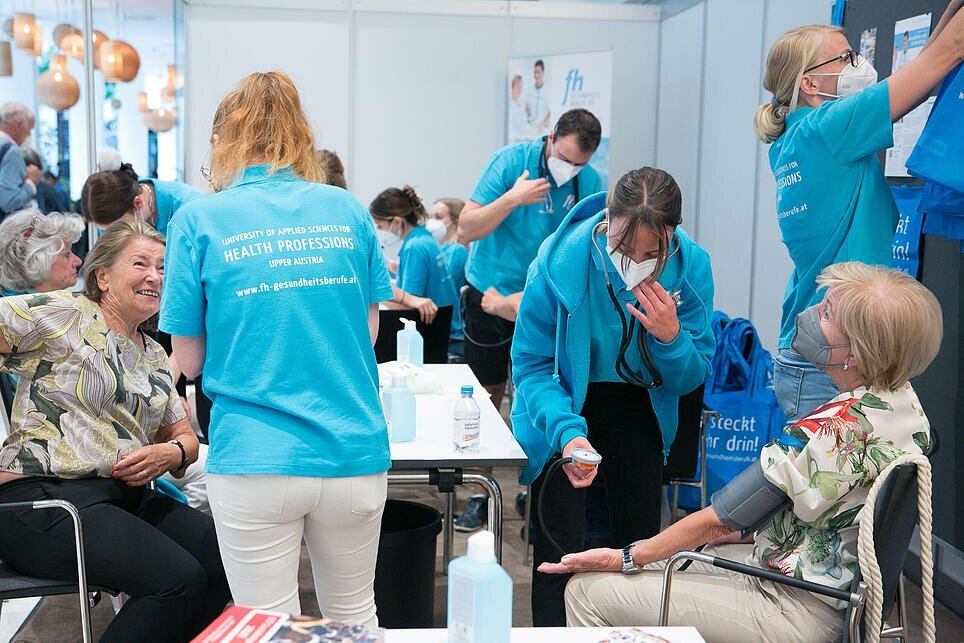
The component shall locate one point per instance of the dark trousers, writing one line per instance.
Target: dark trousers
(162, 553)
(627, 491)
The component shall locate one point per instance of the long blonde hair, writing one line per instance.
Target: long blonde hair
(792, 53)
(261, 122)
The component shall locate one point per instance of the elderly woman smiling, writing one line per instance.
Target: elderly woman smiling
(874, 330)
(95, 418)
(37, 255)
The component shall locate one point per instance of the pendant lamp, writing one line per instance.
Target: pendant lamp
(23, 30)
(56, 87)
(119, 61)
(38, 42)
(6, 59)
(142, 101)
(160, 120)
(73, 45)
(63, 30)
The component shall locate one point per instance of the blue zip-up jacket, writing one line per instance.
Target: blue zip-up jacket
(550, 349)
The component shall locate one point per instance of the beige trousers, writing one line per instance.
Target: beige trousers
(722, 605)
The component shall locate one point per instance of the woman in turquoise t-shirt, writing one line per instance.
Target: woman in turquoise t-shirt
(422, 279)
(446, 211)
(828, 119)
(110, 195)
(273, 284)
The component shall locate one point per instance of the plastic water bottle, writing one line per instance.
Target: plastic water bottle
(399, 406)
(409, 345)
(466, 424)
(480, 595)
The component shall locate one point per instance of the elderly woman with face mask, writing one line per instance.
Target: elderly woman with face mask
(874, 329)
(37, 255)
(95, 419)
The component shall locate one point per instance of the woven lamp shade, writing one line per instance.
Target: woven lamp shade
(6, 59)
(63, 30)
(73, 45)
(119, 61)
(56, 87)
(160, 120)
(23, 30)
(37, 42)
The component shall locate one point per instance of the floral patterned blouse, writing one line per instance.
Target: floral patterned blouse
(826, 463)
(85, 391)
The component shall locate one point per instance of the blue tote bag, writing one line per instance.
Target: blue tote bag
(939, 153)
(740, 389)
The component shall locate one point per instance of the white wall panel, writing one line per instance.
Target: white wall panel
(429, 101)
(225, 44)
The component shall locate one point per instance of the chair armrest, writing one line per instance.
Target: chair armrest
(854, 599)
(78, 546)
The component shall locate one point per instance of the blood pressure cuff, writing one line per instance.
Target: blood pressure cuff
(749, 501)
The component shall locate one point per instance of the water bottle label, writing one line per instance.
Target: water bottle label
(466, 432)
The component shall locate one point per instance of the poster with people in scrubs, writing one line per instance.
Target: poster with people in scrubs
(868, 45)
(542, 88)
(910, 35)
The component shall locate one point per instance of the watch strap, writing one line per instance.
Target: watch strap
(629, 567)
(180, 446)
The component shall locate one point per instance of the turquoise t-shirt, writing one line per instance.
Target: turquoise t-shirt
(456, 255)
(170, 195)
(605, 329)
(422, 270)
(833, 203)
(279, 273)
(501, 259)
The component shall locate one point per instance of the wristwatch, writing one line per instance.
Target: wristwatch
(180, 446)
(629, 567)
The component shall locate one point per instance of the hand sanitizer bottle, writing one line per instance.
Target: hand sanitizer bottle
(480, 595)
(401, 407)
(408, 343)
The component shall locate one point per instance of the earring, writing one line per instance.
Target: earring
(846, 366)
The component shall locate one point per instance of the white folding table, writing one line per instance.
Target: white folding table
(432, 459)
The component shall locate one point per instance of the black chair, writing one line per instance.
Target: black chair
(895, 517)
(16, 585)
(686, 464)
(435, 336)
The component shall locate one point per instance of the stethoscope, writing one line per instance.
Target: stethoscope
(623, 368)
(544, 174)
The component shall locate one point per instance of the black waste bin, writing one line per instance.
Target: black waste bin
(405, 572)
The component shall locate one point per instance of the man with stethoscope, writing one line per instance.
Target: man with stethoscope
(523, 195)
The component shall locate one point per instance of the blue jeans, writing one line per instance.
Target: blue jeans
(800, 386)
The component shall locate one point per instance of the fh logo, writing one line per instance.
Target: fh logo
(574, 82)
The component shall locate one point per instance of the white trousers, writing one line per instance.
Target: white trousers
(261, 520)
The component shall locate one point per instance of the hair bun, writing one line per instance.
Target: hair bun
(128, 169)
(412, 195)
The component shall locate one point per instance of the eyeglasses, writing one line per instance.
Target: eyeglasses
(850, 56)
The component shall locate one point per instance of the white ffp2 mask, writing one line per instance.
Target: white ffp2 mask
(852, 80)
(437, 228)
(390, 242)
(632, 273)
